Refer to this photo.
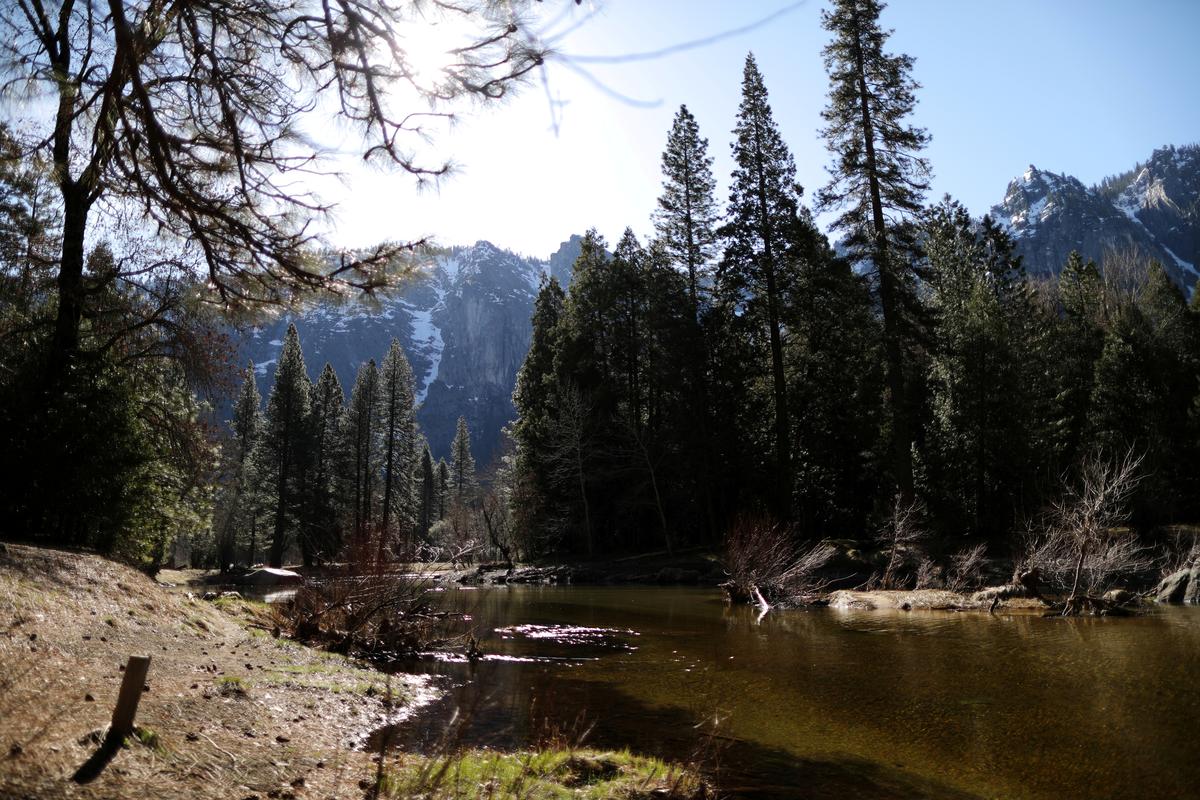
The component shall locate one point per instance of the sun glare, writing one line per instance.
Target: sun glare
(430, 44)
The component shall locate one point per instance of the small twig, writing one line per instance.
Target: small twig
(218, 747)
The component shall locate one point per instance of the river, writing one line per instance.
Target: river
(829, 704)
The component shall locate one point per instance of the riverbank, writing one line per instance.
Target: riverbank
(229, 710)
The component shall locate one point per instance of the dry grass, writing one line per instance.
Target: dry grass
(231, 712)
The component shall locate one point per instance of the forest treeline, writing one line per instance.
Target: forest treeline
(741, 362)
(738, 364)
(322, 478)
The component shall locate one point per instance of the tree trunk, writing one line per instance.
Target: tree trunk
(389, 478)
(70, 278)
(275, 556)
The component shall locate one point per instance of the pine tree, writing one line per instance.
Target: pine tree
(429, 493)
(398, 433)
(982, 454)
(1145, 383)
(686, 221)
(443, 489)
(283, 445)
(360, 447)
(237, 496)
(753, 276)
(834, 388)
(631, 337)
(30, 224)
(462, 464)
(536, 400)
(686, 218)
(878, 181)
(1077, 342)
(321, 530)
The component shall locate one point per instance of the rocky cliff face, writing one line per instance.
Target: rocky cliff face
(1153, 208)
(464, 324)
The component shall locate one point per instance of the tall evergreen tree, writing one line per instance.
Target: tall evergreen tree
(321, 530)
(443, 489)
(428, 510)
(986, 372)
(398, 432)
(360, 447)
(462, 464)
(284, 442)
(631, 335)
(536, 400)
(877, 182)
(753, 277)
(1145, 386)
(1079, 322)
(30, 225)
(234, 506)
(686, 218)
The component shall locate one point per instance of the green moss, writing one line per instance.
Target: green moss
(232, 686)
(148, 737)
(538, 775)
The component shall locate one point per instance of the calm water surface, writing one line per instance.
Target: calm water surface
(830, 704)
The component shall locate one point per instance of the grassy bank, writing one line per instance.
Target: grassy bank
(229, 710)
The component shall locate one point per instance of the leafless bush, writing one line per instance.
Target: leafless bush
(929, 574)
(459, 537)
(763, 561)
(966, 568)
(1080, 549)
(374, 615)
(1180, 551)
(900, 539)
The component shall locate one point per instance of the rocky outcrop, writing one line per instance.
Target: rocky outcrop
(1181, 586)
(1153, 209)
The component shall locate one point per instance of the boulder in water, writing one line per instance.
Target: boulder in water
(1173, 588)
(1120, 597)
(1192, 593)
(271, 576)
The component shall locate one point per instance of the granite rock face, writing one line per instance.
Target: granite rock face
(464, 323)
(1153, 208)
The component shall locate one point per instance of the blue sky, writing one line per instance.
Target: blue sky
(1085, 87)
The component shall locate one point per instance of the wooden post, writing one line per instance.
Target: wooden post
(131, 694)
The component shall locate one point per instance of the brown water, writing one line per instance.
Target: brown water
(829, 704)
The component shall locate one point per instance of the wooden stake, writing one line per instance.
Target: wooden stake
(131, 694)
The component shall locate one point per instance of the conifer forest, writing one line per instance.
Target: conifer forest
(612, 524)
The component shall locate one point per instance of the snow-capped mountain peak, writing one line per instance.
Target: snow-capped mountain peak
(1154, 208)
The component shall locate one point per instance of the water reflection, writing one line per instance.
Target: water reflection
(833, 704)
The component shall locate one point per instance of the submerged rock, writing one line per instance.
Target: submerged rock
(926, 599)
(1120, 597)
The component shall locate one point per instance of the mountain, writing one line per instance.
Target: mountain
(1153, 208)
(464, 323)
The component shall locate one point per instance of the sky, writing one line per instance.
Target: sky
(1082, 87)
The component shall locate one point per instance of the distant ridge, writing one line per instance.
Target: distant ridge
(464, 325)
(1154, 208)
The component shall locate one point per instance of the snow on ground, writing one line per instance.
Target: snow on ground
(427, 337)
(1184, 265)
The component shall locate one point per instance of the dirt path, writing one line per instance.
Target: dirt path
(230, 711)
